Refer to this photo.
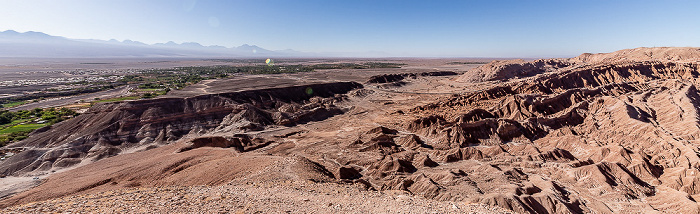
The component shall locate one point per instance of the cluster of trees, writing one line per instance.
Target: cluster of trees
(182, 76)
(382, 65)
(225, 70)
(365, 65)
(14, 137)
(149, 95)
(466, 63)
(51, 115)
(131, 78)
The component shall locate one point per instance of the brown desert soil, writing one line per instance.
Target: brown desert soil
(599, 133)
(251, 198)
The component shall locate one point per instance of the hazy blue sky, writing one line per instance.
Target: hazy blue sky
(487, 28)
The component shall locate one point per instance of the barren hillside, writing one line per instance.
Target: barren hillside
(599, 133)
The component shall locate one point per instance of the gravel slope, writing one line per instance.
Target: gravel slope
(250, 198)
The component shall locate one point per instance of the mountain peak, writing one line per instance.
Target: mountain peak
(132, 42)
(191, 44)
(38, 44)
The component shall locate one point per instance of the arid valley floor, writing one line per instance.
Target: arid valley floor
(598, 133)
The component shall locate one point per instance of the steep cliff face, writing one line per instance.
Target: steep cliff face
(398, 80)
(388, 78)
(112, 128)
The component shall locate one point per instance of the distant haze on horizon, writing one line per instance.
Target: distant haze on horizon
(528, 29)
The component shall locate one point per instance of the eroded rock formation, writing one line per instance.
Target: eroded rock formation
(599, 133)
(114, 128)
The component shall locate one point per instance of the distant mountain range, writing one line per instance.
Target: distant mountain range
(40, 45)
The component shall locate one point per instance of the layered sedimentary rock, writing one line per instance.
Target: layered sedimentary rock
(612, 136)
(639, 59)
(115, 128)
(398, 80)
(599, 133)
(507, 69)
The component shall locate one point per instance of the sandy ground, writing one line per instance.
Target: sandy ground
(13, 185)
(250, 198)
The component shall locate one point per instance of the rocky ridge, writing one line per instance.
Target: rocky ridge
(601, 133)
(116, 128)
(502, 70)
(604, 138)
